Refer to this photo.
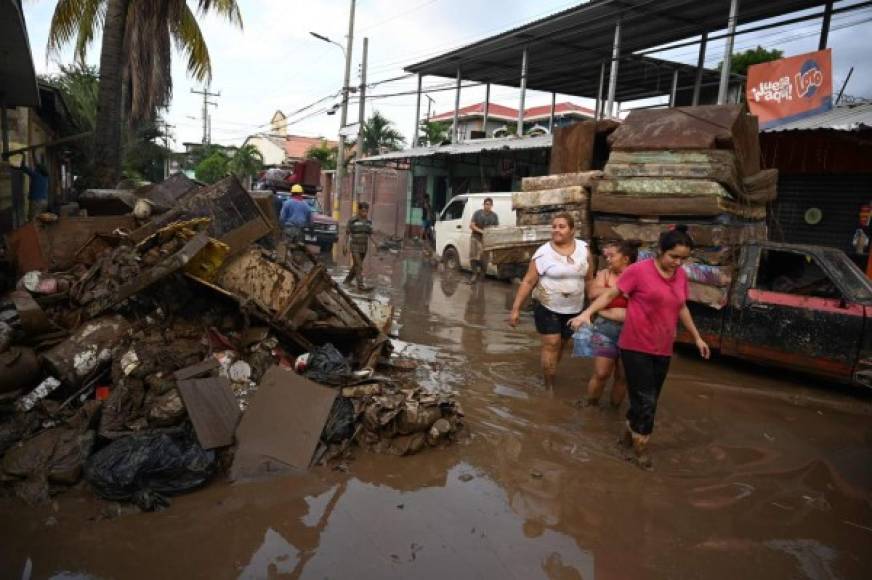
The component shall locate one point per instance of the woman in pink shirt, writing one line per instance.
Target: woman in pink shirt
(657, 292)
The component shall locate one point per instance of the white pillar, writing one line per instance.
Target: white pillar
(728, 53)
(520, 131)
(613, 75)
(417, 112)
(454, 138)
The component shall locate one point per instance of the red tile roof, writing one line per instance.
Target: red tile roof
(297, 145)
(497, 111)
(544, 111)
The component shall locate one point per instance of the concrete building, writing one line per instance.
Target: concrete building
(279, 149)
(471, 119)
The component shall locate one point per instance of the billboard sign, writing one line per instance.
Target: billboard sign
(791, 88)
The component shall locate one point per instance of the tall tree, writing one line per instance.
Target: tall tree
(247, 161)
(435, 132)
(379, 133)
(325, 153)
(135, 58)
(742, 60)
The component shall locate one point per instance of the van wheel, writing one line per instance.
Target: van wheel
(451, 259)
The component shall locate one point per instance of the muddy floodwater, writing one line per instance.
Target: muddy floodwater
(757, 474)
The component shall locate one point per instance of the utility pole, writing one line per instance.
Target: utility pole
(361, 119)
(166, 140)
(206, 94)
(340, 156)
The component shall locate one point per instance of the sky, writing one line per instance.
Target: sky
(273, 63)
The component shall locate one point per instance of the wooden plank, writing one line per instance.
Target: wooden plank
(197, 370)
(212, 408)
(250, 276)
(576, 195)
(572, 148)
(674, 206)
(584, 179)
(282, 425)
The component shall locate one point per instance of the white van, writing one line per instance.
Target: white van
(452, 229)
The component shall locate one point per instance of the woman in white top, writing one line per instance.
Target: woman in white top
(556, 279)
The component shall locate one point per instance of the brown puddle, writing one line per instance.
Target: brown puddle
(758, 474)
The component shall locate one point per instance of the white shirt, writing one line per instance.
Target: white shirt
(561, 278)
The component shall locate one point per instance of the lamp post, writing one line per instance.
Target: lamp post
(340, 155)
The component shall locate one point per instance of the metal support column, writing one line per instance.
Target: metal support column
(613, 75)
(673, 96)
(417, 112)
(728, 53)
(486, 108)
(825, 25)
(520, 131)
(598, 113)
(454, 138)
(700, 67)
(551, 118)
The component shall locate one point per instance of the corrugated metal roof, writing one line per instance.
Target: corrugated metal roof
(566, 49)
(842, 118)
(465, 148)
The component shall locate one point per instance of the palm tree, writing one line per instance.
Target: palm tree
(135, 58)
(325, 153)
(247, 161)
(379, 133)
(435, 132)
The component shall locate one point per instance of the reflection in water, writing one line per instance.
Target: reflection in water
(274, 556)
(815, 559)
(462, 530)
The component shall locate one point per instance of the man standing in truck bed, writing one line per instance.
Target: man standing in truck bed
(357, 236)
(481, 219)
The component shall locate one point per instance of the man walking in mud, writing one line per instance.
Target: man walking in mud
(358, 233)
(481, 219)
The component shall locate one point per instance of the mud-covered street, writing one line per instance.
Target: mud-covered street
(757, 474)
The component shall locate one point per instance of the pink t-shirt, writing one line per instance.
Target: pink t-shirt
(652, 315)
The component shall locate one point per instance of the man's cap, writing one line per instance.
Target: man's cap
(297, 188)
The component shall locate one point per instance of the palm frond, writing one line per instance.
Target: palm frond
(229, 9)
(64, 23)
(189, 41)
(91, 20)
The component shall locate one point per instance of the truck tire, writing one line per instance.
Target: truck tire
(451, 259)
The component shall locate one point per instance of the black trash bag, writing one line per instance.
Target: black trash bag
(327, 365)
(341, 422)
(146, 468)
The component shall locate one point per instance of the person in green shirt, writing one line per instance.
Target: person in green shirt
(358, 233)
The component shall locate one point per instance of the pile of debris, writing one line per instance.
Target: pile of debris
(150, 358)
(698, 166)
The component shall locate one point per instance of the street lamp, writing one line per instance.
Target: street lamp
(325, 39)
(340, 155)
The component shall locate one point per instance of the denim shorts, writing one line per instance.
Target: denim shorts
(605, 338)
